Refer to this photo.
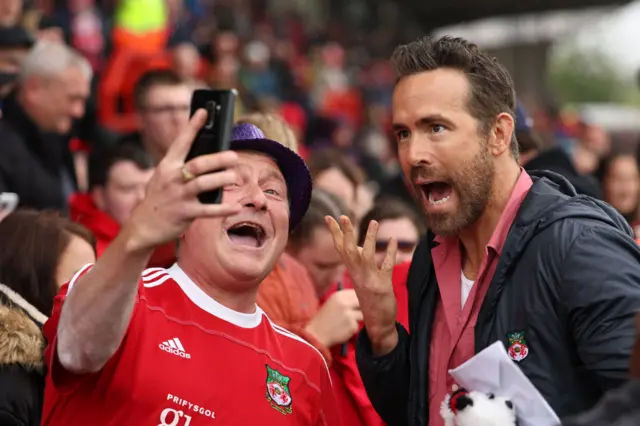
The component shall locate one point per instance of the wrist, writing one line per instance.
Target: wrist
(133, 242)
(313, 332)
(383, 343)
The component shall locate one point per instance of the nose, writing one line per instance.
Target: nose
(77, 109)
(418, 152)
(255, 198)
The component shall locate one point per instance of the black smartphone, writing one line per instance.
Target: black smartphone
(215, 135)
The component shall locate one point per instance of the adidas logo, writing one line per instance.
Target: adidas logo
(173, 346)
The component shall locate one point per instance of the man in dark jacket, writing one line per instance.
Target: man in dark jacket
(35, 161)
(510, 257)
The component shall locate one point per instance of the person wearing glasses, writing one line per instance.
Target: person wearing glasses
(162, 102)
(396, 219)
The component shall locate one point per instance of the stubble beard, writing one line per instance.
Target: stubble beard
(472, 183)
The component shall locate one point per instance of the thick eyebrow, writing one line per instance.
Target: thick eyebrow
(424, 121)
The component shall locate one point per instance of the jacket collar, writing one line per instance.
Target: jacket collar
(21, 341)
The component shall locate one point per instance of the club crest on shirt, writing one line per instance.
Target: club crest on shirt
(518, 349)
(278, 393)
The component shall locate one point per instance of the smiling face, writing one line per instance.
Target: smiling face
(441, 148)
(244, 247)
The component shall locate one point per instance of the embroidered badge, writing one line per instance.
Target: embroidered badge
(518, 349)
(278, 393)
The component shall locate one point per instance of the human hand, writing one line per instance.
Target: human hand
(373, 285)
(338, 320)
(171, 202)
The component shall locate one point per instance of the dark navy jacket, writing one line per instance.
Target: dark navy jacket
(568, 277)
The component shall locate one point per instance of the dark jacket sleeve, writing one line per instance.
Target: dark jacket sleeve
(7, 418)
(601, 291)
(619, 407)
(20, 396)
(386, 378)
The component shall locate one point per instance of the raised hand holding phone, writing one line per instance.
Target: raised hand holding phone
(215, 134)
(172, 202)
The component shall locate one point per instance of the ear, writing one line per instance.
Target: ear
(500, 138)
(98, 197)
(30, 86)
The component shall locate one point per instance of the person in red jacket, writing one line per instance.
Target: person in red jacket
(355, 406)
(117, 182)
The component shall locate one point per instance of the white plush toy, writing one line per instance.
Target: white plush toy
(463, 408)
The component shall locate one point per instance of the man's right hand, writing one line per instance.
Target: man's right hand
(171, 201)
(373, 285)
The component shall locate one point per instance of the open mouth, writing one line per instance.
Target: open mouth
(437, 193)
(247, 234)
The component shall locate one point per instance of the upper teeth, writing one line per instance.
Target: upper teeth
(438, 202)
(251, 225)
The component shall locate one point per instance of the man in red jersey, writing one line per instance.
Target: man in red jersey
(187, 346)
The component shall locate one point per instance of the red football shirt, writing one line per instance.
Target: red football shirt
(186, 360)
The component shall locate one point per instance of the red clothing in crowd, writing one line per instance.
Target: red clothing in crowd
(105, 229)
(186, 359)
(288, 297)
(353, 402)
(452, 342)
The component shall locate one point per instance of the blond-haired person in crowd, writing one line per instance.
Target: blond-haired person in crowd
(288, 294)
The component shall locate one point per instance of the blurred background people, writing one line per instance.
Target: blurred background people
(396, 220)
(338, 174)
(620, 179)
(35, 159)
(110, 82)
(117, 182)
(162, 101)
(46, 251)
(15, 43)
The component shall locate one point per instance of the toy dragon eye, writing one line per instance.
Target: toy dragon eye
(491, 396)
(509, 405)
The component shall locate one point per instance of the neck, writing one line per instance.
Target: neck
(239, 301)
(476, 236)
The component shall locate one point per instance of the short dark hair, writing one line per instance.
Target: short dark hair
(33, 243)
(491, 88)
(389, 208)
(329, 158)
(322, 204)
(101, 161)
(151, 79)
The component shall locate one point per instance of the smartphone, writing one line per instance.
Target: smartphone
(215, 135)
(8, 203)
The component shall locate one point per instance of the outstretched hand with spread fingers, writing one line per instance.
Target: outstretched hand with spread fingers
(171, 202)
(373, 285)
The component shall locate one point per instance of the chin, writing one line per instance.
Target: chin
(248, 270)
(248, 275)
(249, 265)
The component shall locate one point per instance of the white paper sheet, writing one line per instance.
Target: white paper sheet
(492, 371)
